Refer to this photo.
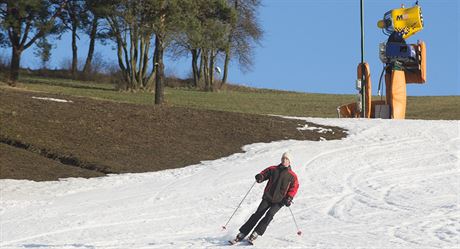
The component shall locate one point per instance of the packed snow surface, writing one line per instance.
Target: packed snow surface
(389, 184)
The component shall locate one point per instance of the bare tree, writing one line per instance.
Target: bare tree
(204, 37)
(74, 16)
(94, 12)
(171, 17)
(245, 32)
(131, 28)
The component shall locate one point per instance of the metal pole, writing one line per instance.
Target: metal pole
(225, 226)
(295, 222)
(363, 76)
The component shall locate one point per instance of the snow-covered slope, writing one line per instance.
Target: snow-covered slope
(389, 184)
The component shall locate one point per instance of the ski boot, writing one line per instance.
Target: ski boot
(239, 237)
(252, 237)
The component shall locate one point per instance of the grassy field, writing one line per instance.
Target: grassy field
(256, 101)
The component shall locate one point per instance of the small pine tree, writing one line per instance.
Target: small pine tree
(43, 51)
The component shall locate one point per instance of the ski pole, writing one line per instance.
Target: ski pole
(295, 222)
(225, 226)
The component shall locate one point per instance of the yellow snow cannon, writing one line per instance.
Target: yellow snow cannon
(404, 64)
(407, 21)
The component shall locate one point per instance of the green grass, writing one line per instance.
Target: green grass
(282, 103)
(258, 101)
(433, 107)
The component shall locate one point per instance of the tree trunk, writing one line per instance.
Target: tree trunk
(74, 50)
(211, 69)
(202, 71)
(133, 57)
(196, 76)
(127, 64)
(152, 77)
(159, 76)
(228, 48)
(92, 41)
(144, 60)
(205, 61)
(140, 71)
(14, 65)
(227, 61)
(120, 49)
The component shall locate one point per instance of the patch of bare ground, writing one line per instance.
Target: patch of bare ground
(46, 140)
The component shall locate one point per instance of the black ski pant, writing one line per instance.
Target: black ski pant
(265, 205)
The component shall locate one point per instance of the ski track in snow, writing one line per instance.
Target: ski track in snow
(389, 184)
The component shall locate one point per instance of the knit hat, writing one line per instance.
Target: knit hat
(287, 155)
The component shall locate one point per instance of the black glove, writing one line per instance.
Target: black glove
(287, 201)
(259, 178)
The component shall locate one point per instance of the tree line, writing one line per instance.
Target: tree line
(142, 30)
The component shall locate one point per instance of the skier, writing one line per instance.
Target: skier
(280, 190)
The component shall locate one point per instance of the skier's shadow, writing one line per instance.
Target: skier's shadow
(216, 241)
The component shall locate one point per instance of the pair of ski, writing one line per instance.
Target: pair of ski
(246, 241)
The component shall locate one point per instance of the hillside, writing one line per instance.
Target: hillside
(104, 131)
(46, 140)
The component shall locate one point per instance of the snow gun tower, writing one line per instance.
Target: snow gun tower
(403, 64)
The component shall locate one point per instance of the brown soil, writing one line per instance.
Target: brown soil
(46, 140)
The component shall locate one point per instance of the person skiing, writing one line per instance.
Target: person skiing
(280, 190)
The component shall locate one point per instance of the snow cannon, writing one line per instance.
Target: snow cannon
(400, 24)
(403, 64)
(406, 21)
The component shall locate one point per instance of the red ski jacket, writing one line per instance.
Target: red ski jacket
(282, 182)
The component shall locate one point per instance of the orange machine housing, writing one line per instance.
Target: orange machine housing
(396, 95)
(396, 80)
(419, 76)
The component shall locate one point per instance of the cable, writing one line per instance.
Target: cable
(380, 81)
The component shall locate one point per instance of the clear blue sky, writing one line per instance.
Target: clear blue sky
(314, 46)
